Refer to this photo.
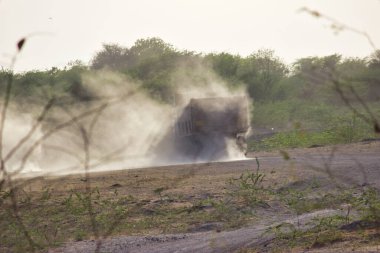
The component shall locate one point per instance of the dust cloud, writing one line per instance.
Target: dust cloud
(122, 128)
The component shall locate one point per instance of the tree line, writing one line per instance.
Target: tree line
(152, 62)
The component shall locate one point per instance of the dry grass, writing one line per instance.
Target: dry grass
(186, 198)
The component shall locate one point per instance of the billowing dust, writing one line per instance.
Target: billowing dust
(124, 127)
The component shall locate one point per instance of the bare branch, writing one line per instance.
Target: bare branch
(56, 129)
(338, 26)
(31, 131)
(65, 151)
(4, 114)
(16, 214)
(65, 124)
(348, 103)
(86, 165)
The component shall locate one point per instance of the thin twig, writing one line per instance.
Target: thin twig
(18, 218)
(64, 125)
(339, 26)
(3, 115)
(86, 147)
(365, 106)
(65, 151)
(31, 131)
(53, 131)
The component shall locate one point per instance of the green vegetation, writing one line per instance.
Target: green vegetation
(342, 129)
(303, 99)
(52, 217)
(329, 230)
(369, 205)
(323, 232)
(59, 211)
(248, 190)
(300, 105)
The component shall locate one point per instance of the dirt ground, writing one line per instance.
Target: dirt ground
(357, 163)
(330, 168)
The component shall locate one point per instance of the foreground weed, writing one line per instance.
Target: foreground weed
(369, 205)
(317, 233)
(304, 201)
(46, 194)
(326, 230)
(159, 191)
(55, 219)
(79, 235)
(248, 188)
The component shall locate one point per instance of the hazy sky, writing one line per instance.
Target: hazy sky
(66, 30)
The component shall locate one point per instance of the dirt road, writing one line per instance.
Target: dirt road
(349, 165)
(227, 241)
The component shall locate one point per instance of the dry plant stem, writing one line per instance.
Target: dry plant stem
(371, 120)
(327, 170)
(66, 124)
(88, 182)
(45, 110)
(18, 218)
(111, 156)
(2, 174)
(340, 26)
(53, 131)
(65, 151)
(3, 171)
(86, 148)
(13, 196)
(102, 160)
(7, 97)
(94, 121)
(365, 106)
(7, 177)
(363, 171)
(3, 116)
(327, 164)
(327, 167)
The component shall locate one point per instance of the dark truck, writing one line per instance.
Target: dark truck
(208, 129)
(224, 115)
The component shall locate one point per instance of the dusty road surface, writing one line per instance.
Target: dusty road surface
(226, 241)
(355, 165)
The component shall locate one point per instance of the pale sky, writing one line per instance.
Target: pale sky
(67, 30)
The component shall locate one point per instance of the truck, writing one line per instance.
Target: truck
(209, 129)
